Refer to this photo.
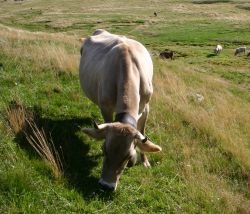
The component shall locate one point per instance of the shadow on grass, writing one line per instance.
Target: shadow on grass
(210, 1)
(73, 149)
(211, 55)
(243, 7)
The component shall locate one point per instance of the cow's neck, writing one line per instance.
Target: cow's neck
(126, 118)
(128, 84)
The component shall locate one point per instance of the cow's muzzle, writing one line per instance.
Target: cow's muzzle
(107, 186)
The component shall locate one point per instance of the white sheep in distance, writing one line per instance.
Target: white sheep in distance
(240, 50)
(217, 49)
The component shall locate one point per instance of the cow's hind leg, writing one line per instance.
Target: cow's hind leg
(141, 127)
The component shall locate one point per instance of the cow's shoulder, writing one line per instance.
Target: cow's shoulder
(102, 40)
(99, 31)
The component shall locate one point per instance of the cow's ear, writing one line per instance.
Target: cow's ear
(145, 145)
(95, 133)
(98, 132)
(149, 147)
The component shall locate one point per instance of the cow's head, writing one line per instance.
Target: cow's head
(119, 148)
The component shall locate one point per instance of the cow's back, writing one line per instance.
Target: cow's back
(101, 63)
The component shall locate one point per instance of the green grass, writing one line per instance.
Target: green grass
(204, 166)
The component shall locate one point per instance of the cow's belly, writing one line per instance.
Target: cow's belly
(89, 84)
(98, 89)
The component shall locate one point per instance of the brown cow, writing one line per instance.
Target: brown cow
(116, 74)
(167, 54)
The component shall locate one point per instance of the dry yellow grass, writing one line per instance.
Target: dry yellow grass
(46, 149)
(44, 50)
(221, 115)
(21, 121)
(19, 35)
(16, 116)
(217, 190)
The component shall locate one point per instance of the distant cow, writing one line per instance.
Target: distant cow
(240, 50)
(167, 54)
(116, 74)
(217, 49)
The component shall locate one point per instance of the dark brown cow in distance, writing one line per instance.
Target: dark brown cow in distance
(167, 55)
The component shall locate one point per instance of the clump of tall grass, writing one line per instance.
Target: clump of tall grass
(45, 148)
(21, 121)
(17, 117)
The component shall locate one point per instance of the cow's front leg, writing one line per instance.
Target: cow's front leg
(141, 127)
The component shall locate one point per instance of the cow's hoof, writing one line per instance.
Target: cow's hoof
(146, 164)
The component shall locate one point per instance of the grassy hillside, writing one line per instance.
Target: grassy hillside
(205, 162)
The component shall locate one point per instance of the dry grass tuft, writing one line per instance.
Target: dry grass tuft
(46, 149)
(17, 115)
(21, 121)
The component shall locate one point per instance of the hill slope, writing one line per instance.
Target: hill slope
(205, 163)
